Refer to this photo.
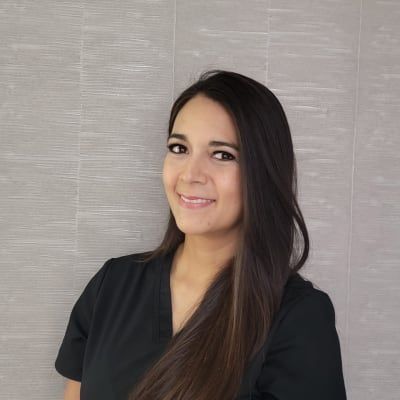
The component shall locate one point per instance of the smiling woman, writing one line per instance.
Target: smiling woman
(218, 310)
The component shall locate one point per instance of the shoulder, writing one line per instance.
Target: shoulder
(302, 296)
(128, 268)
(298, 287)
(303, 357)
(131, 258)
(305, 310)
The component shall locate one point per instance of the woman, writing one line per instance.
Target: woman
(218, 310)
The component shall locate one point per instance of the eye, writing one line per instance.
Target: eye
(172, 145)
(226, 153)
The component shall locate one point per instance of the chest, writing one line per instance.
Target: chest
(184, 302)
(136, 315)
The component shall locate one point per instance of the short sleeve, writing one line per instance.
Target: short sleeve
(304, 359)
(69, 360)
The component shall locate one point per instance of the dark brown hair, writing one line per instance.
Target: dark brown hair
(207, 358)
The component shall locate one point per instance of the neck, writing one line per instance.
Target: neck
(198, 259)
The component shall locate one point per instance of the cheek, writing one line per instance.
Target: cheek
(229, 185)
(166, 171)
(168, 176)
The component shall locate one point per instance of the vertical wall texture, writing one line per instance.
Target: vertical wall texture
(85, 92)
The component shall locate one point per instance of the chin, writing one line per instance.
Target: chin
(192, 229)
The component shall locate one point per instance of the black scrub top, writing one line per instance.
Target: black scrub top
(122, 321)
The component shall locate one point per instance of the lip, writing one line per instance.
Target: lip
(194, 197)
(193, 206)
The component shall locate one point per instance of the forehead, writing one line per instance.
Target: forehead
(202, 117)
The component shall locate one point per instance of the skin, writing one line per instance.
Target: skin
(72, 390)
(194, 168)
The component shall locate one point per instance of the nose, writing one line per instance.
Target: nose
(193, 170)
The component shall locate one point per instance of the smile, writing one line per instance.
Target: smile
(193, 204)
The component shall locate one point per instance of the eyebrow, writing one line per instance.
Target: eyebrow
(213, 143)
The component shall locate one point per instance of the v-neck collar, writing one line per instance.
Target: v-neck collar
(162, 299)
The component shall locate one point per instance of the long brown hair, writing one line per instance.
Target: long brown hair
(207, 358)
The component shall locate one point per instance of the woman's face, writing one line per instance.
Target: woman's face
(196, 167)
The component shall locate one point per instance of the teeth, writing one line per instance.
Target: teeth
(196, 201)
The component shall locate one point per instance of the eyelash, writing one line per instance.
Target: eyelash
(170, 146)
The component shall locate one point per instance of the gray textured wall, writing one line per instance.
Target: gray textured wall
(85, 91)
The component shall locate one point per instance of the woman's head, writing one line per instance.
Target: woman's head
(257, 188)
(196, 165)
(256, 196)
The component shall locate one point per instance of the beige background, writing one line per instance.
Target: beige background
(85, 92)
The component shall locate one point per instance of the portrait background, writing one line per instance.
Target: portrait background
(85, 92)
